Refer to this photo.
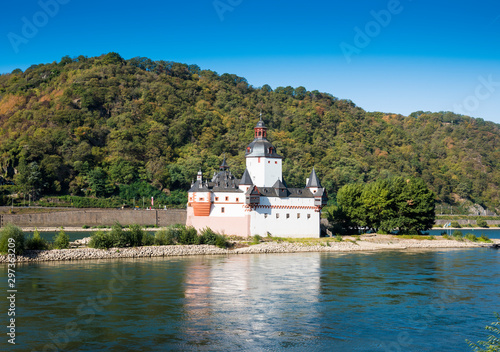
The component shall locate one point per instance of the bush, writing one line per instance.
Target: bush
(256, 239)
(136, 234)
(148, 239)
(471, 237)
(484, 238)
(208, 236)
(457, 235)
(455, 224)
(85, 226)
(188, 235)
(482, 223)
(101, 240)
(166, 237)
(14, 232)
(338, 238)
(61, 240)
(36, 242)
(119, 237)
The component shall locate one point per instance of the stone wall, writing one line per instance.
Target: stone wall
(95, 217)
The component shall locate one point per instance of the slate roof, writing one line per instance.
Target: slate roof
(246, 179)
(313, 180)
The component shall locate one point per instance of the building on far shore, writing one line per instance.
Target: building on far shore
(260, 202)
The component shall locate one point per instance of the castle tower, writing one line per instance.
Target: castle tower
(262, 161)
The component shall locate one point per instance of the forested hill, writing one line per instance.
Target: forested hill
(95, 125)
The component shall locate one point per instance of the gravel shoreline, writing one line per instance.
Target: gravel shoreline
(369, 243)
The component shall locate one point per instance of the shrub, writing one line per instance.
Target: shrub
(136, 234)
(455, 224)
(61, 240)
(101, 240)
(338, 238)
(256, 239)
(208, 236)
(119, 237)
(471, 237)
(36, 242)
(168, 236)
(457, 235)
(14, 232)
(85, 226)
(148, 239)
(484, 238)
(188, 235)
(482, 223)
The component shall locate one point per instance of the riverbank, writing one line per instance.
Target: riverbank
(364, 243)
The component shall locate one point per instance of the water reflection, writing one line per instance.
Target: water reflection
(306, 301)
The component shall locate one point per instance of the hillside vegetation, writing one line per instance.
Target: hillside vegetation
(105, 126)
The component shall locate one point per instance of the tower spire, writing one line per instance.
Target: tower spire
(224, 165)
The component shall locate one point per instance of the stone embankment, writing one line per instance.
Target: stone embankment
(379, 242)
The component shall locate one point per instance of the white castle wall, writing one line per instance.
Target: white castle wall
(286, 217)
(264, 171)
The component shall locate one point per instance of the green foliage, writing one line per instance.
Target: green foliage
(210, 237)
(399, 203)
(120, 238)
(338, 238)
(101, 240)
(61, 240)
(11, 234)
(482, 223)
(455, 224)
(189, 235)
(36, 242)
(168, 236)
(457, 235)
(484, 239)
(96, 125)
(256, 239)
(148, 239)
(471, 237)
(136, 235)
(492, 342)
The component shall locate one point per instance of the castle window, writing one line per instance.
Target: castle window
(248, 149)
(298, 215)
(269, 162)
(270, 150)
(202, 199)
(265, 216)
(227, 198)
(288, 216)
(308, 216)
(277, 215)
(275, 162)
(222, 210)
(237, 199)
(216, 199)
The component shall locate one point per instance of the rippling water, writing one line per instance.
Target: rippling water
(372, 301)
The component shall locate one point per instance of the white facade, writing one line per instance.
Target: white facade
(264, 171)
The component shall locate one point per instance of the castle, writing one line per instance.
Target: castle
(260, 202)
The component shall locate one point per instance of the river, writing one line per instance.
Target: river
(374, 301)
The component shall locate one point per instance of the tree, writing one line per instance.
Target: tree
(414, 205)
(11, 236)
(492, 343)
(61, 240)
(30, 179)
(351, 204)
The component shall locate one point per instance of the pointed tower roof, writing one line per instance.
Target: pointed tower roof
(279, 184)
(246, 179)
(313, 180)
(224, 165)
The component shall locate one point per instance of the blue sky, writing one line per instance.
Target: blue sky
(390, 56)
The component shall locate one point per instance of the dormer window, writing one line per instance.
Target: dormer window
(270, 150)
